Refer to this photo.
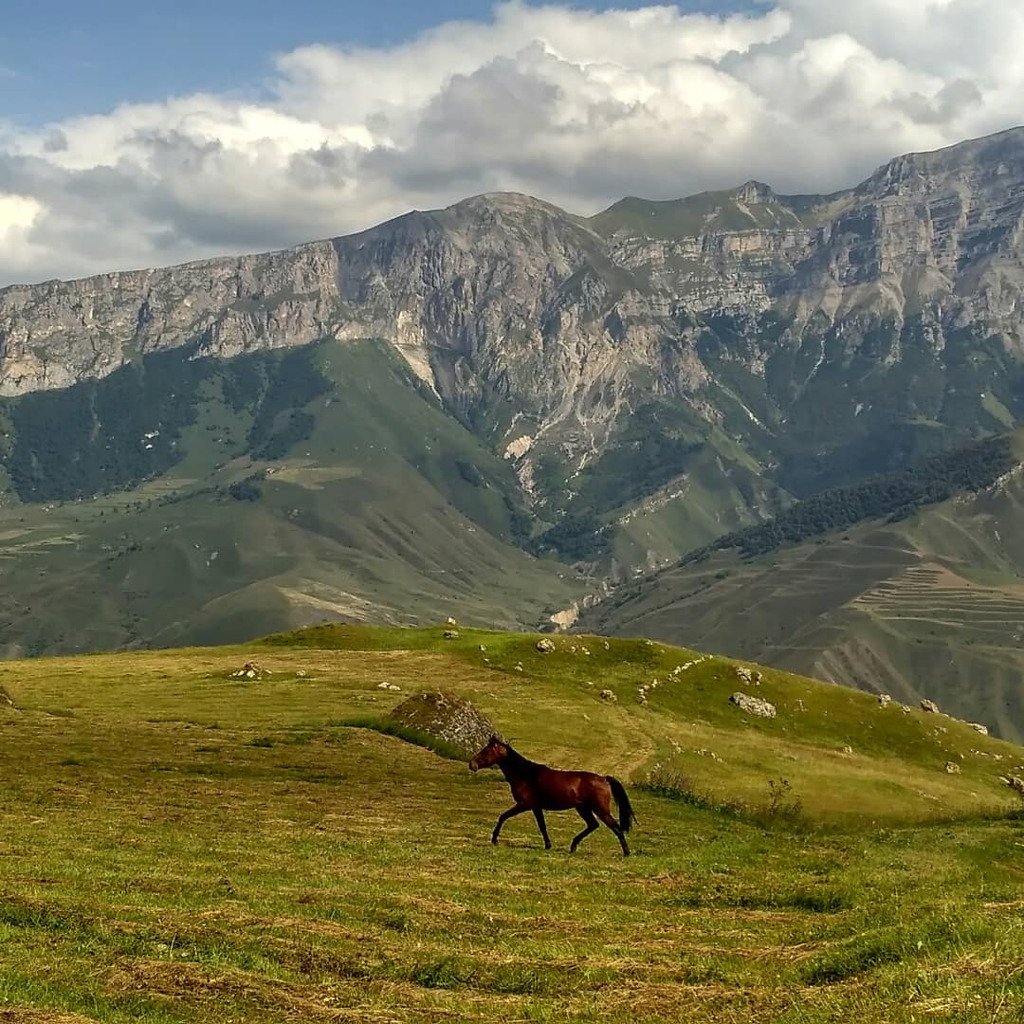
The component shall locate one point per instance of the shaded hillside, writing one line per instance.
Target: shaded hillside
(929, 606)
(281, 489)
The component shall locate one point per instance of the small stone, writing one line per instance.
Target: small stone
(848, 750)
(930, 706)
(546, 646)
(952, 768)
(608, 696)
(978, 727)
(884, 700)
(451, 634)
(450, 621)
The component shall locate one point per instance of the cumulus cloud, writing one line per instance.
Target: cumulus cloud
(576, 107)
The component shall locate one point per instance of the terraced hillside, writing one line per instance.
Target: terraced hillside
(180, 844)
(930, 606)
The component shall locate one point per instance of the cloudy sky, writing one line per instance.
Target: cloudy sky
(136, 137)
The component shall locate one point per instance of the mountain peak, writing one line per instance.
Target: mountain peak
(754, 192)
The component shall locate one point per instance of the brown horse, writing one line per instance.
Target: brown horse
(538, 788)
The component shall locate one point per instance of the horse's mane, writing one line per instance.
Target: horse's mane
(519, 761)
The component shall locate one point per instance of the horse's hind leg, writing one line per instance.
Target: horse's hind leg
(591, 822)
(539, 815)
(609, 819)
(503, 817)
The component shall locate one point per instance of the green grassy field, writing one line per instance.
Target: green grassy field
(180, 845)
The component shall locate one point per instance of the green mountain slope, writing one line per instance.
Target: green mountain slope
(288, 488)
(184, 845)
(929, 606)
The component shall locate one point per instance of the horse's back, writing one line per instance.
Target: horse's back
(561, 790)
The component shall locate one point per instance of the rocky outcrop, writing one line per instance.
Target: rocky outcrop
(755, 706)
(445, 717)
(547, 331)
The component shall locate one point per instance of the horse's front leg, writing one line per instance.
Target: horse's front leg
(503, 817)
(539, 815)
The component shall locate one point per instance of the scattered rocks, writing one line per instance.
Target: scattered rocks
(931, 707)
(952, 768)
(884, 700)
(1015, 782)
(445, 717)
(545, 646)
(609, 696)
(251, 670)
(451, 634)
(750, 676)
(978, 727)
(848, 750)
(752, 705)
(389, 686)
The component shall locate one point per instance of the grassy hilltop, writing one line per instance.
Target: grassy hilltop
(180, 845)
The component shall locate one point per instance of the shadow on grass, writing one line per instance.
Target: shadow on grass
(417, 737)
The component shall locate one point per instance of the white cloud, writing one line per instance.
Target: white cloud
(579, 108)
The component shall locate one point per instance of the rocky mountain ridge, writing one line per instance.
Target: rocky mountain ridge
(793, 327)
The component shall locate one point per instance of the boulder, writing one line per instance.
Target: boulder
(451, 634)
(930, 706)
(545, 646)
(748, 675)
(445, 717)
(752, 705)
(251, 670)
(952, 768)
(609, 695)
(884, 700)
(978, 727)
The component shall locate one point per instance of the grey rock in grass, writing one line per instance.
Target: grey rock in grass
(978, 727)
(884, 700)
(952, 768)
(445, 717)
(752, 705)
(545, 646)
(930, 706)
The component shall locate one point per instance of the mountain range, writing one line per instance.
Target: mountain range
(505, 412)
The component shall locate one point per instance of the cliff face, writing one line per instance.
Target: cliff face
(754, 312)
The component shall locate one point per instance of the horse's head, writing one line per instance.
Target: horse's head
(490, 755)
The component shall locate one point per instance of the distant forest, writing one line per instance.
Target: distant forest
(893, 496)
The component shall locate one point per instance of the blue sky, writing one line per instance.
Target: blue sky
(66, 57)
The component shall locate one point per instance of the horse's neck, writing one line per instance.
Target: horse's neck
(514, 766)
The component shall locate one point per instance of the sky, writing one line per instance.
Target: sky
(137, 135)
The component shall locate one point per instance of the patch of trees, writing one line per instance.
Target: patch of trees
(112, 434)
(574, 537)
(892, 496)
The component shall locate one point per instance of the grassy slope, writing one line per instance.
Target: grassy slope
(931, 607)
(176, 845)
(368, 518)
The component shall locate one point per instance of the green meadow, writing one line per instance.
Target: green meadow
(178, 844)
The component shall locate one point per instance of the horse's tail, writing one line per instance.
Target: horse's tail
(626, 815)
